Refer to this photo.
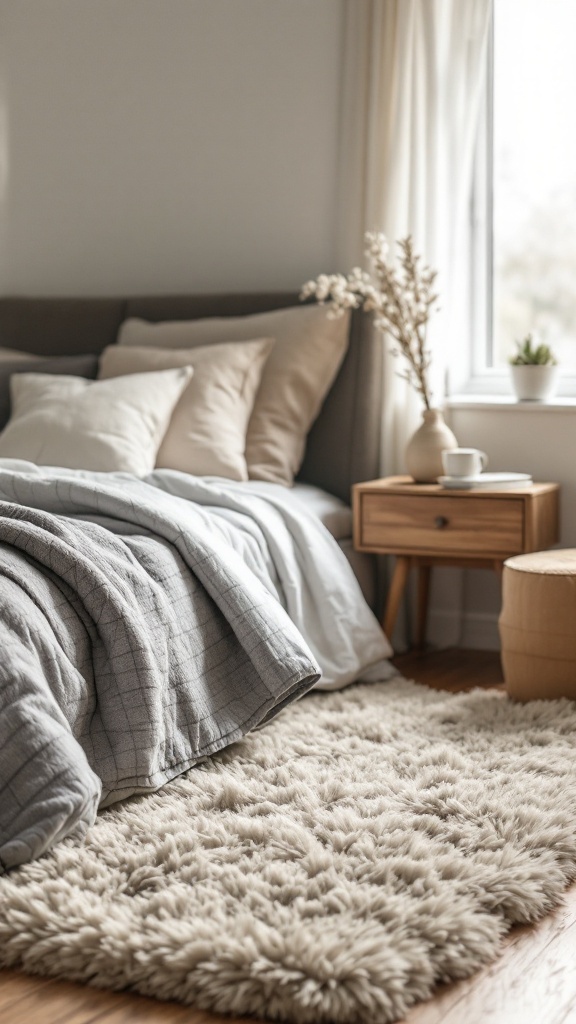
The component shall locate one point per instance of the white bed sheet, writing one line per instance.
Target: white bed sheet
(336, 516)
(333, 513)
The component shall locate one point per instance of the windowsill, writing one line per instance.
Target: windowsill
(563, 403)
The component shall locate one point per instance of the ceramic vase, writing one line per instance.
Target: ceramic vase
(425, 447)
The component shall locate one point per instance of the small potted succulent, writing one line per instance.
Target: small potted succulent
(534, 371)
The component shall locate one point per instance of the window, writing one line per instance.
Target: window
(524, 203)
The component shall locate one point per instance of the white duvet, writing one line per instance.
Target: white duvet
(281, 542)
(296, 559)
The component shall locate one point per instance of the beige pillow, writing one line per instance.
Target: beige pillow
(9, 354)
(297, 376)
(100, 425)
(207, 432)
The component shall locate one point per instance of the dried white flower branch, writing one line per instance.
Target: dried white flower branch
(401, 299)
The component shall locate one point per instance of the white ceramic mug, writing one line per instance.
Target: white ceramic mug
(464, 461)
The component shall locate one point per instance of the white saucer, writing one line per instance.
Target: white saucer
(489, 481)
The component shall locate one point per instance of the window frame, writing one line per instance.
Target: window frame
(482, 378)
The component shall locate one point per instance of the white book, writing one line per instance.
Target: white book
(486, 481)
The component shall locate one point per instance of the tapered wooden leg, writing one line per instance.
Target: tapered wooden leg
(395, 594)
(422, 605)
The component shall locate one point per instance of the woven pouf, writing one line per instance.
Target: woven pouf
(538, 625)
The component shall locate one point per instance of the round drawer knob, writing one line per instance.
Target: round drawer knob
(440, 522)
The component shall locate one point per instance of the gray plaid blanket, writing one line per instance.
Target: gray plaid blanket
(134, 640)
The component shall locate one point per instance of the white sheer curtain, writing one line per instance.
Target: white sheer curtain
(414, 72)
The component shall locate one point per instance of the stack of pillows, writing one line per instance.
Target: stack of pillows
(232, 397)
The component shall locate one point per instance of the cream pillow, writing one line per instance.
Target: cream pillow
(207, 432)
(100, 425)
(9, 354)
(297, 376)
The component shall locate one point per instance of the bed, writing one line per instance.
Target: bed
(147, 621)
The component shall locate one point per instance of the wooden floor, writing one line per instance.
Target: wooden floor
(532, 982)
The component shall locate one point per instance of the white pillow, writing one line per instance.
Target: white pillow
(100, 425)
(207, 432)
(297, 376)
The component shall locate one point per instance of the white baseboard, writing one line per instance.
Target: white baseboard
(481, 632)
(478, 630)
(443, 628)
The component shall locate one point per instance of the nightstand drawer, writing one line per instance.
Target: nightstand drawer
(443, 524)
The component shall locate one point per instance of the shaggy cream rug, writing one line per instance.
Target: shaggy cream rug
(332, 867)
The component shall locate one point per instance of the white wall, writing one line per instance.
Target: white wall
(539, 440)
(167, 145)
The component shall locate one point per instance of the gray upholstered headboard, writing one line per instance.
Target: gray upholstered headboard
(343, 445)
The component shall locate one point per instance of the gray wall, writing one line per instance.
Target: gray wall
(154, 145)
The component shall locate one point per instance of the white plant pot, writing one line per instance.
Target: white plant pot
(534, 383)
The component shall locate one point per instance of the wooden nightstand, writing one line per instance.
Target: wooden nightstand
(425, 525)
